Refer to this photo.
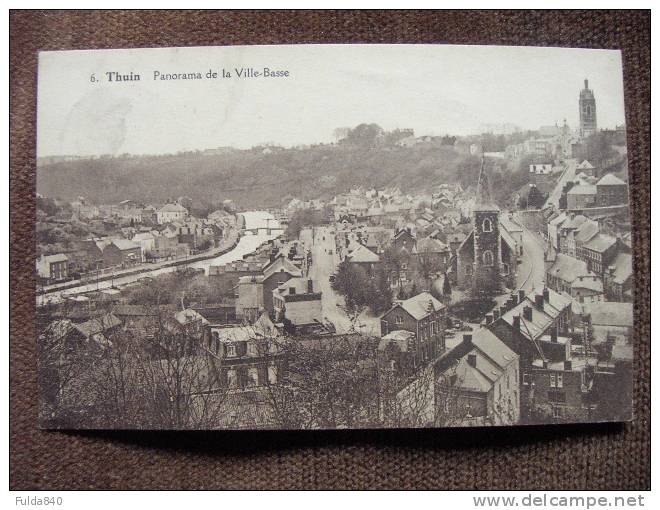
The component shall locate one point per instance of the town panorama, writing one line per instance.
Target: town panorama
(386, 279)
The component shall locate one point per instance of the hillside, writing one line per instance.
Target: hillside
(254, 179)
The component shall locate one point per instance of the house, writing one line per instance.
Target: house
(611, 190)
(511, 227)
(274, 274)
(581, 196)
(363, 257)
(598, 252)
(404, 240)
(225, 277)
(171, 212)
(554, 224)
(147, 243)
(524, 320)
(478, 382)
(618, 277)
(122, 252)
(566, 233)
(564, 271)
(297, 301)
(250, 301)
(53, 268)
(422, 315)
(250, 356)
(559, 382)
(433, 255)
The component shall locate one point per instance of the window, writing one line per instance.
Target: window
(232, 378)
(468, 269)
(231, 350)
(560, 380)
(398, 319)
(272, 374)
(404, 266)
(505, 269)
(253, 377)
(557, 412)
(433, 327)
(526, 379)
(553, 381)
(252, 349)
(487, 225)
(488, 258)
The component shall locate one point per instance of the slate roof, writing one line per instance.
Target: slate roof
(59, 257)
(418, 306)
(363, 254)
(568, 268)
(622, 267)
(541, 319)
(610, 180)
(582, 189)
(125, 244)
(281, 263)
(173, 208)
(430, 245)
(98, 325)
(600, 243)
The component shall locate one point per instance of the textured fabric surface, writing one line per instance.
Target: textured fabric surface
(611, 456)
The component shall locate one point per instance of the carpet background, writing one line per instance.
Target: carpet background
(606, 456)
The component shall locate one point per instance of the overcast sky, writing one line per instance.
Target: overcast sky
(435, 89)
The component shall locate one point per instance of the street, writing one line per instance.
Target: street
(531, 270)
(324, 263)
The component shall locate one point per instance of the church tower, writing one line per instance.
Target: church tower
(486, 230)
(588, 124)
(487, 248)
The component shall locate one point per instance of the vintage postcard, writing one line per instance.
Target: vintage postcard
(332, 236)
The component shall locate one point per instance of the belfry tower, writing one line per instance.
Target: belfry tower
(588, 124)
(487, 240)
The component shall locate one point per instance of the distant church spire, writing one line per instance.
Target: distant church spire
(587, 104)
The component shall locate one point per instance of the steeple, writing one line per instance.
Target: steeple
(587, 105)
(483, 200)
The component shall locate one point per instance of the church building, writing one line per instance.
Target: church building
(488, 252)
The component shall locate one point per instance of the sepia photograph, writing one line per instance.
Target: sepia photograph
(332, 237)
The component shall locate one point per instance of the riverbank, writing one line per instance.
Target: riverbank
(232, 241)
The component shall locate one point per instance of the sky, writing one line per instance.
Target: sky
(434, 89)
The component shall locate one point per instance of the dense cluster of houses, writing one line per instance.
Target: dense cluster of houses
(133, 234)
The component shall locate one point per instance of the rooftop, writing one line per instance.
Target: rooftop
(610, 180)
(421, 305)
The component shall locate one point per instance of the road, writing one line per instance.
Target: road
(531, 270)
(324, 263)
(568, 175)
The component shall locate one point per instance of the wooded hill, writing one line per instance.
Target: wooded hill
(260, 177)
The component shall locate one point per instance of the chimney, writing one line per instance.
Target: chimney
(586, 83)
(527, 313)
(521, 295)
(545, 363)
(538, 301)
(546, 294)
(516, 322)
(310, 286)
(553, 336)
(489, 318)
(568, 365)
(467, 339)
(496, 314)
